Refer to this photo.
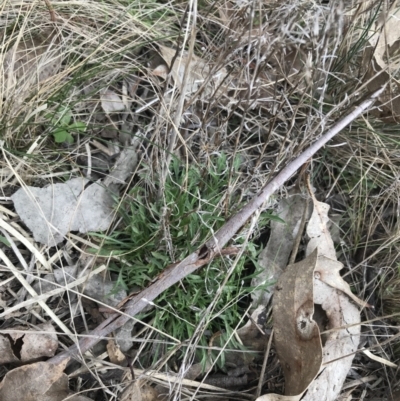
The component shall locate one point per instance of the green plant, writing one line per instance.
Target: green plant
(63, 127)
(4, 241)
(156, 232)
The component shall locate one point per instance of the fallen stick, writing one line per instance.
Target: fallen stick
(213, 247)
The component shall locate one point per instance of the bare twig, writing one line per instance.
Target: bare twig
(213, 247)
(51, 11)
(264, 365)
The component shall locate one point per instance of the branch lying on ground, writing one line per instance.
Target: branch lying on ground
(213, 247)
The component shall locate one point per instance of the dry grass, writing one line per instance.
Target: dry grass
(285, 69)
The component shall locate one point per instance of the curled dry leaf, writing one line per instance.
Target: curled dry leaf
(28, 345)
(199, 73)
(297, 337)
(328, 267)
(327, 270)
(333, 294)
(341, 342)
(115, 354)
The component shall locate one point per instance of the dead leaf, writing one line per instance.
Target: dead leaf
(140, 391)
(343, 316)
(328, 267)
(275, 256)
(318, 233)
(51, 212)
(297, 336)
(40, 381)
(126, 163)
(30, 382)
(6, 351)
(115, 354)
(28, 345)
(340, 344)
(111, 102)
(327, 270)
(385, 36)
(199, 72)
(37, 345)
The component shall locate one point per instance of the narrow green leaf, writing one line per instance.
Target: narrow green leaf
(4, 240)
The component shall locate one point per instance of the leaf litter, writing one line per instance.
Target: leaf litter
(51, 212)
(297, 336)
(41, 381)
(310, 366)
(22, 345)
(328, 268)
(76, 205)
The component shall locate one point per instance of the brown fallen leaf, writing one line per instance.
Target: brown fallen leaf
(41, 381)
(297, 337)
(115, 354)
(140, 391)
(341, 342)
(28, 345)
